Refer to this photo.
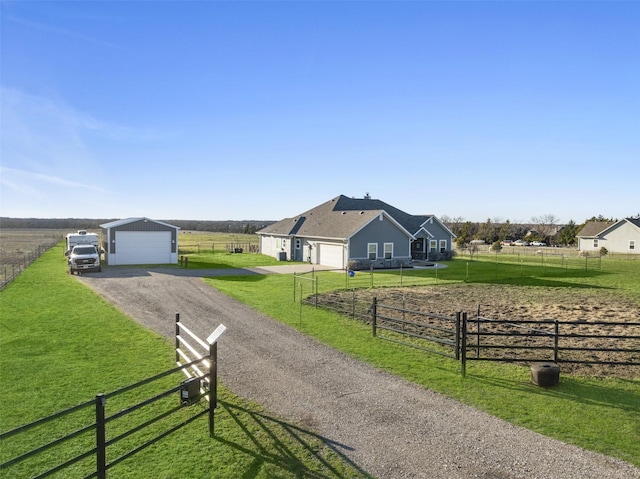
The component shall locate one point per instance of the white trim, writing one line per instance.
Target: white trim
(369, 251)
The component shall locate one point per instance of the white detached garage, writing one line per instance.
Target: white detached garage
(140, 241)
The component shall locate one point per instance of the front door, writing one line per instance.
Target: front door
(417, 249)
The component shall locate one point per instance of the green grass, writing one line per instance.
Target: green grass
(222, 260)
(598, 414)
(62, 344)
(190, 242)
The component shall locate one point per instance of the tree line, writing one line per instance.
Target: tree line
(74, 224)
(544, 228)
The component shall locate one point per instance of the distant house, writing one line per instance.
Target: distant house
(140, 241)
(616, 236)
(357, 233)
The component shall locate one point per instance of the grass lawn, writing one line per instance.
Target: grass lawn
(222, 260)
(62, 344)
(595, 413)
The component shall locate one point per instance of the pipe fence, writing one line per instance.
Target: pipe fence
(477, 338)
(157, 414)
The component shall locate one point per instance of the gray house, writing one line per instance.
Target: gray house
(616, 236)
(357, 233)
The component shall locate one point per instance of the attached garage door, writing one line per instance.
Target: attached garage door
(331, 255)
(143, 247)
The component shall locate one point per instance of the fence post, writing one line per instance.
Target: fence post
(374, 313)
(556, 330)
(101, 438)
(213, 386)
(478, 331)
(463, 349)
(353, 303)
(294, 287)
(300, 309)
(457, 335)
(177, 334)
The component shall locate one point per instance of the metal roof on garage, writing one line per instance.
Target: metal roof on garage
(125, 221)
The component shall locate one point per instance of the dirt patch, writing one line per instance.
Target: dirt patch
(589, 308)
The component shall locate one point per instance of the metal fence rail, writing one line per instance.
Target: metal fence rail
(428, 329)
(202, 369)
(480, 338)
(98, 426)
(563, 341)
(12, 268)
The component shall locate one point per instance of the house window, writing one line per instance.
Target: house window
(278, 243)
(388, 250)
(443, 246)
(373, 250)
(433, 244)
(595, 243)
(298, 243)
(632, 244)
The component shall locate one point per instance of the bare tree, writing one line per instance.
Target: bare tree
(454, 224)
(545, 226)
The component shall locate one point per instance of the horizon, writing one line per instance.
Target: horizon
(500, 110)
(446, 219)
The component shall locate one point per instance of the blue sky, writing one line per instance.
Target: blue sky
(262, 110)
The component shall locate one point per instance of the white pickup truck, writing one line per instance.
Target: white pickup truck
(84, 258)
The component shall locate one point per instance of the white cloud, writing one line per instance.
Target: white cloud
(49, 152)
(58, 31)
(25, 181)
(41, 135)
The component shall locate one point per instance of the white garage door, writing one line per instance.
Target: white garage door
(143, 247)
(331, 255)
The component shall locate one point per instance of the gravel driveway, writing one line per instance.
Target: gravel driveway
(387, 426)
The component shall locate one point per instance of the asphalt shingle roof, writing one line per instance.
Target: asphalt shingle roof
(594, 228)
(341, 217)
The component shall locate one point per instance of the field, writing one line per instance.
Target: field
(61, 344)
(598, 413)
(190, 242)
(18, 248)
(586, 410)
